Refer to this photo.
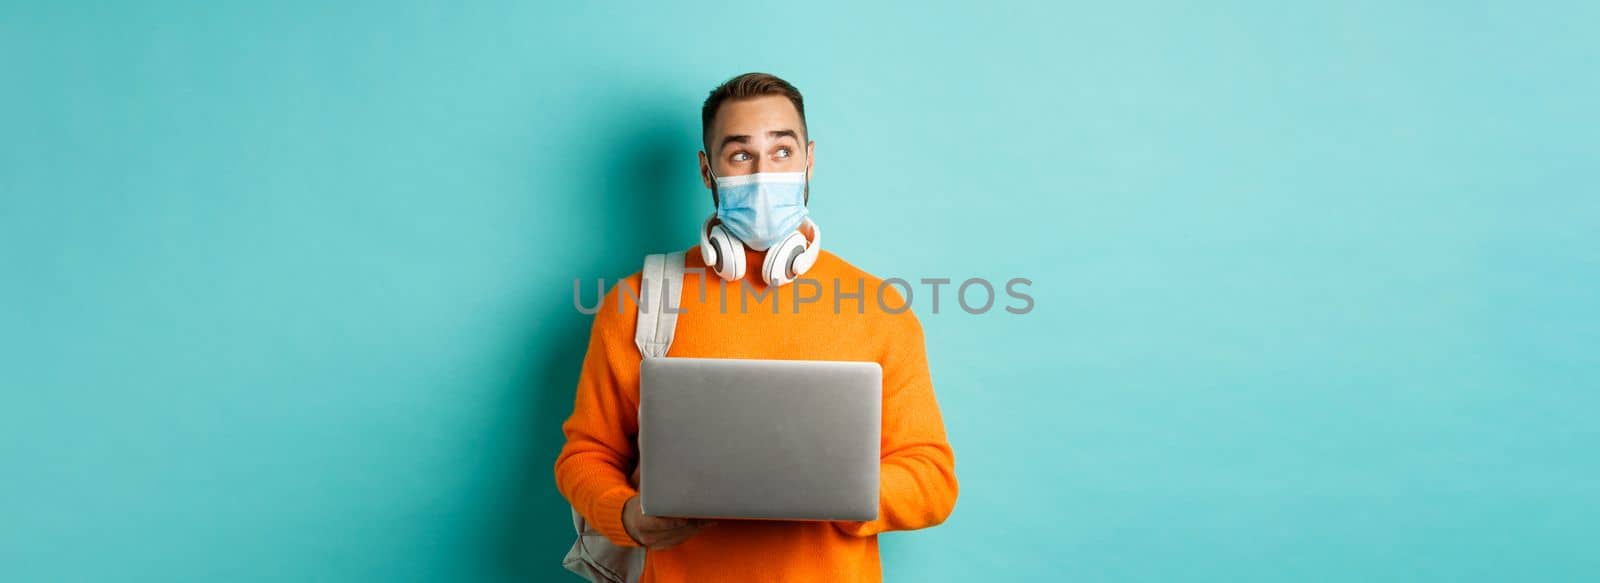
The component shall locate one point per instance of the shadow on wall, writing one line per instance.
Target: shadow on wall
(644, 171)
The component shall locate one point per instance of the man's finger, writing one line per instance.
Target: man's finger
(673, 538)
(664, 529)
(663, 523)
(674, 535)
(661, 527)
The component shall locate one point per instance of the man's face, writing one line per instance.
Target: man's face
(762, 134)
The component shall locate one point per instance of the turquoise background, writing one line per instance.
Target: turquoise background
(287, 288)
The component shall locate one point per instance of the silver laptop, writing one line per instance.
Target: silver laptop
(769, 439)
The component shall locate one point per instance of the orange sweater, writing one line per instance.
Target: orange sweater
(918, 483)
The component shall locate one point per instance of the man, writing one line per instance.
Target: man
(754, 124)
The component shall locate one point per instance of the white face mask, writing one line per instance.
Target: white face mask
(762, 208)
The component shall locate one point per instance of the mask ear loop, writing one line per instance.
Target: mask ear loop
(716, 198)
(805, 171)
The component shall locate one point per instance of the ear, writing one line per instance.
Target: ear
(705, 177)
(811, 161)
(811, 157)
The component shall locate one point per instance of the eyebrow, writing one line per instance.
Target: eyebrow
(745, 139)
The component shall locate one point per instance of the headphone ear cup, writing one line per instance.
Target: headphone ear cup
(778, 266)
(729, 261)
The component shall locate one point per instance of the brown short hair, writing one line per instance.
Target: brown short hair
(744, 87)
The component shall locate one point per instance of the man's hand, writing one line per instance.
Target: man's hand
(652, 531)
(656, 532)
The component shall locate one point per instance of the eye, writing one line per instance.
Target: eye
(783, 152)
(741, 156)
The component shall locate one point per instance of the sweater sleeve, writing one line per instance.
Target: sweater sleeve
(917, 479)
(592, 469)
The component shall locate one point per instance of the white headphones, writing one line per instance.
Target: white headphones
(785, 261)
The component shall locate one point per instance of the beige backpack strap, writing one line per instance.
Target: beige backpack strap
(660, 296)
